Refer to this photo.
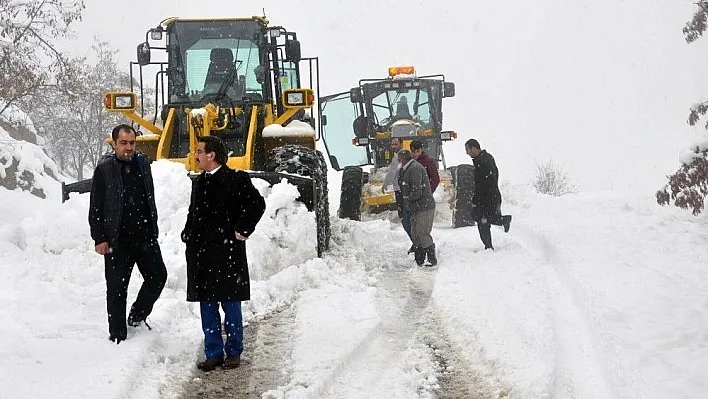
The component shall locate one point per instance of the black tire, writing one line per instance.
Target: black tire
(305, 161)
(350, 199)
(463, 179)
(453, 174)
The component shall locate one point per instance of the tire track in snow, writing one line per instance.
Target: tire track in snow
(402, 301)
(578, 369)
(459, 376)
(264, 363)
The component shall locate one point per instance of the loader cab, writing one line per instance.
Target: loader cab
(241, 67)
(359, 124)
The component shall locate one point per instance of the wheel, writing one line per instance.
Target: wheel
(453, 173)
(463, 178)
(305, 161)
(350, 199)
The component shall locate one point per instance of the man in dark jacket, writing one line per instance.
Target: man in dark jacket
(419, 201)
(123, 220)
(430, 165)
(224, 210)
(391, 183)
(487, 197)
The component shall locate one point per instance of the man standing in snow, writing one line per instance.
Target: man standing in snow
(430, 165)
(487, 198)
(391, 183)
(224, 210)
(123, 220)
(419, 201)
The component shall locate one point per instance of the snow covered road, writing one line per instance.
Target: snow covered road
(598, 295)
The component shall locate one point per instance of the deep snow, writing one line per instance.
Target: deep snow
(590, 295)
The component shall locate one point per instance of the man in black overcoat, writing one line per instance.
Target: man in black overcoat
(224, 210)
(487, 197)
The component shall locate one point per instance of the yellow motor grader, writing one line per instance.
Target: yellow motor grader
(358, 126)
(238, 79)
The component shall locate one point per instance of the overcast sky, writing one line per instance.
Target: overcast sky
(603, 87)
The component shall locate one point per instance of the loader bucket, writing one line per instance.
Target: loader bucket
(83, 186)
(305, 185)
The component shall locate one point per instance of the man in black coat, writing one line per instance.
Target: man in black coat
(487, 197)
(224, 210)
(123, 220)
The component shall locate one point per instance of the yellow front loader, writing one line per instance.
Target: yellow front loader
(358, 126)
(238, 79)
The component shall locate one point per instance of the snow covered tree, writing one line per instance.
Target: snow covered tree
(550, 179)
(29, 60)
(72, 119)
(693, 30)
(688, 187)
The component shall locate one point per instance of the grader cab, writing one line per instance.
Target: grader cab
(238, 79)
(358, 127)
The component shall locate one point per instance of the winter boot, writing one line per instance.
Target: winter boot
(506, 222)
(232, 362)
(118, 338)
(210, 364)
(419, 256)
(432, 259)
(135, 321)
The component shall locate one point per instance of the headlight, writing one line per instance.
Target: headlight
(120, 101)
(297, 98)
(124, 102)
(156, 34)
(448, 135)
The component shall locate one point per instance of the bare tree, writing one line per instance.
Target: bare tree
(73, 120)
(29, 60)
(551, 179)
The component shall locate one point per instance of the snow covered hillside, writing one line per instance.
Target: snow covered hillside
(597, 295)
(23, 164)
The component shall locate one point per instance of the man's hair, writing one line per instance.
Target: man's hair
(404, 155)
(472, 143)
(416, 145)
(217, 146)
(397, 139)
(117, 129)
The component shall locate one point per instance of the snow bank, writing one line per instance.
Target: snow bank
(59, 342)
(294, 128)
(589, 295)
(23, 164)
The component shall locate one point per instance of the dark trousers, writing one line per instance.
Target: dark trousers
(119, 266)
(403, 214)
(211, 324)
(485, 220)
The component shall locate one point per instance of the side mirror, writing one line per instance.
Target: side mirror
(448, 89)
(333, 161)
(143, 54)
(292, 51)
(359, 126)
(355, 95)
(260, 72)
